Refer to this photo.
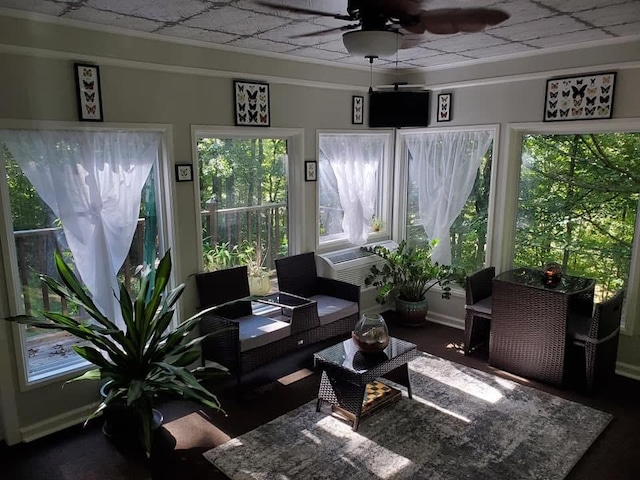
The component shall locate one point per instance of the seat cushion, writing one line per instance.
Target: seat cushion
(257, 331)
(331, 309)
(482, 306)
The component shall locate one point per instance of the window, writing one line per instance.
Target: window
(244, 191)
(354, 188)
(448, 191)
(38, 231)
(578, 198)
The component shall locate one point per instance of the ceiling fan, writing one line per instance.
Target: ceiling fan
(379, 25)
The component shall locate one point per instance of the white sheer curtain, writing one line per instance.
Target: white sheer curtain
(93, 183)
(355, 161)
(444, 167)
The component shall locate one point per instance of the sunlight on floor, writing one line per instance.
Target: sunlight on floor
(454, 377)
(441, 409)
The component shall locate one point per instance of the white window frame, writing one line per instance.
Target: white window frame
(402, 180)
(509, 181)
(295, 155)
(166, 230)
(386, 195)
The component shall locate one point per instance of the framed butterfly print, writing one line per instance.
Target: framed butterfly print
(585, 97)
(357, 110)
(251, 103)
(88, 89)
(444, 107)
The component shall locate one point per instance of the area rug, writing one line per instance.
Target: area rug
(460, 424)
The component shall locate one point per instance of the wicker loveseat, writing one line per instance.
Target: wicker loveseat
(250, 333)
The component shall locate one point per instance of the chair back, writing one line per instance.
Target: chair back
(607, 317)
(479, 285)
(221, 286)
(297, 274)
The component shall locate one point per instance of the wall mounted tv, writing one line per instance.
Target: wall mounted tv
(399, 109)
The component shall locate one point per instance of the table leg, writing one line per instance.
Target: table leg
(343, 394)
(401, 375)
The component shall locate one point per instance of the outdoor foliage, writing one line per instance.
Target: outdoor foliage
(236, 175)
(577, 204)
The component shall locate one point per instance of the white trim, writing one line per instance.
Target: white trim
(628, 370)
(295, 154)
(57, 423)
(447, 320)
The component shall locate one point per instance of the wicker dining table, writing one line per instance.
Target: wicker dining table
(529, 321)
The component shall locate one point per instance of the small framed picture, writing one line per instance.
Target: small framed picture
(357, 110)
(444, 107)
(88, 90)
(310, 171)
(184, 173)
(251, 103)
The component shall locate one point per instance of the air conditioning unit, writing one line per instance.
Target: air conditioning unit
(351, 264)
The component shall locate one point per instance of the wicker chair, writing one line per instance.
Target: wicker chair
(338, 302)
(594, 340)
(477, 318)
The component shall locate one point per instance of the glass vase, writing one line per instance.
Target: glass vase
(370, 334)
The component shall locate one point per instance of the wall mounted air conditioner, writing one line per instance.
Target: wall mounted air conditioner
(351, 264)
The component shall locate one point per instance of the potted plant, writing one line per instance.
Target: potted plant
(253, 258)
(144, 360)
(409, 274)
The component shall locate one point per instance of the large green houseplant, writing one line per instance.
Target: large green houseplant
(143, 361)
(408, 274)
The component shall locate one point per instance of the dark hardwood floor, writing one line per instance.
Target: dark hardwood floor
(79, 453)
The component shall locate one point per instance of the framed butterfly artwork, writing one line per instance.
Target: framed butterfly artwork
(444, 107)
(88, 90)
(251, 103)
(584, 97)
(357, 110)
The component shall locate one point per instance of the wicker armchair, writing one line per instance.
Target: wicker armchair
(338, 302)
(477, 318)
(594, 340)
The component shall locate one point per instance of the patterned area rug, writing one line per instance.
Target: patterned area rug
(461, 424)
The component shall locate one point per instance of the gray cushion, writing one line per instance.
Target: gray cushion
(257, 331)
(331, 309)
(482, 306)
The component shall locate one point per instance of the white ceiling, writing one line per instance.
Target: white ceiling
(535, 25)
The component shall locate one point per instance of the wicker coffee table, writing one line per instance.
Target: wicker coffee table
(346, 372)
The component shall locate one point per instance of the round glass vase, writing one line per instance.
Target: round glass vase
(370, 334)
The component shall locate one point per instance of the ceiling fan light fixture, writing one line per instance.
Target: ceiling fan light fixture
(372, 43)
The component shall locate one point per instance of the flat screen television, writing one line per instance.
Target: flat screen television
(399, 109)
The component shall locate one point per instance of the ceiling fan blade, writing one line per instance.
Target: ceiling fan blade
(447, 21)
(326, 31)
(307, 11)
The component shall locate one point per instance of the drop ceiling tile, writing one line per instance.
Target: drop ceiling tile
(327, 6)
(92, 15)
(334, 46)
(36, 6)
(317, 53)
(162, 10)
(499, 50)
(571, 6)
(418, 52)
(569, 38)
(265, 45)
(612, 15)
(199, 34)
(284, 34)
(522, 11)
(363, 62)
(234, 20)
(625, 29)
(539, 28)
(461, 42)
(430, 61)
